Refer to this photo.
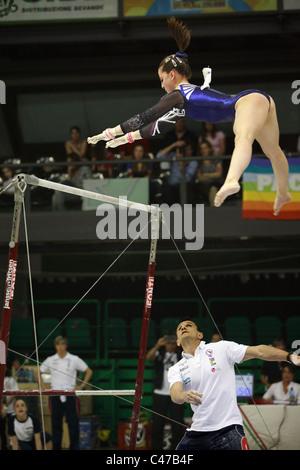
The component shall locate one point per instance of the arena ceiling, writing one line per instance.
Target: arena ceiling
(240, 48)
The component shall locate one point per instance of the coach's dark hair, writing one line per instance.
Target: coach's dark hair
(191, 320)
(178, 61)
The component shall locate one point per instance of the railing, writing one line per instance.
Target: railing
(159, 176)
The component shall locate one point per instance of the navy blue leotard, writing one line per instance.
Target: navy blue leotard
(188, 100)
(211, 105)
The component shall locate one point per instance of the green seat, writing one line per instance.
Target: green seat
(267, 328)
(292, 328)
(238, 329)
(22, 334)
(207, 327)
(78, 331)
(48, 329)
(136, 329)
(116, 334)
(169, 325)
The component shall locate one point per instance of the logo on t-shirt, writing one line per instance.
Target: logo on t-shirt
(212, 360)
(185, 374)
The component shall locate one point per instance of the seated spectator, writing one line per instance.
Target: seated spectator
(75, 176)
(40, 197)
(76, 145)
(47, 168)
(209, 174)
(216, 138)
(7, 409)
(98, 152)
(215, 338)
(271, 371)
(7, 198)
(166, 151)
(125, 151)
(180, 132)
(8, 175)
(172, 189)
(281, 391)
(139, 169)
(24, 429)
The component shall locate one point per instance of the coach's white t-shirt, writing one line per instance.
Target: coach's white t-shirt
(63, 370)
(211, 372)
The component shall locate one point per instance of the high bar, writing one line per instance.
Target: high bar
(35, 181)
(68, 392)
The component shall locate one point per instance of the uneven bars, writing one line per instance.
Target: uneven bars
(68, 392)
(34, 181)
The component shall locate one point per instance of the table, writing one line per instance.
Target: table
(272, 427)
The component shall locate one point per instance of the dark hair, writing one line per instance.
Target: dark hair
(178, 61)
(144, 166)
(289, 366)
(22, 399)
(205, 131)
(206, 142)
(191, 320)
(75, 128)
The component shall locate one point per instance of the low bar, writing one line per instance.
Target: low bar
(68, 392)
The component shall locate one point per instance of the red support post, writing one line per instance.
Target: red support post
(144, 333)
(9, 287)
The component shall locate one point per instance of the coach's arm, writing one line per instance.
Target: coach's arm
(269, 353)
(179, 396)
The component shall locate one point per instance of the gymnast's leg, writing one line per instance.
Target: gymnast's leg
(252, 114)
(268, 139)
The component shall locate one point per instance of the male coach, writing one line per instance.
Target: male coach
(205, 378)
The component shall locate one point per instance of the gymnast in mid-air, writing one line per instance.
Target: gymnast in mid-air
(252, 112)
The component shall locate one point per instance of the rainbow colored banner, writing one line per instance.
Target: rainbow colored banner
(259, 191)
(182, 7)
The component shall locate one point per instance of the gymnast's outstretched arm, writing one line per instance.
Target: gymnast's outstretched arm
(152, 129)
(142, 125)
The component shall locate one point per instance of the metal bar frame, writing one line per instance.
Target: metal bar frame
(21, 181)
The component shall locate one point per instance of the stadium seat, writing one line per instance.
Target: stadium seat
(135, 331)
(78, 332)
(48, 330)
(168, 325)
(267, 328)
(117, 333)
(22, 334)
(292, 328)
(238, 329)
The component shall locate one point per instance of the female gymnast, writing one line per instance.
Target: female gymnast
(252, 112)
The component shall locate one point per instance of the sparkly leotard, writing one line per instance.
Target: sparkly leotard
(188, 100)
(211, 105)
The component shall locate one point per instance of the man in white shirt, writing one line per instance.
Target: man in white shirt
(205, 378)
(63, 367)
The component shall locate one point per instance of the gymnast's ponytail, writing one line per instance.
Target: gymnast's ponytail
(178, 61)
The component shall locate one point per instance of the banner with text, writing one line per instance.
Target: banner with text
(259, 190)
(56, 10)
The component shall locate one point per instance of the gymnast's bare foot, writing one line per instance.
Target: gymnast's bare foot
(226, 190)
(280, 201)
